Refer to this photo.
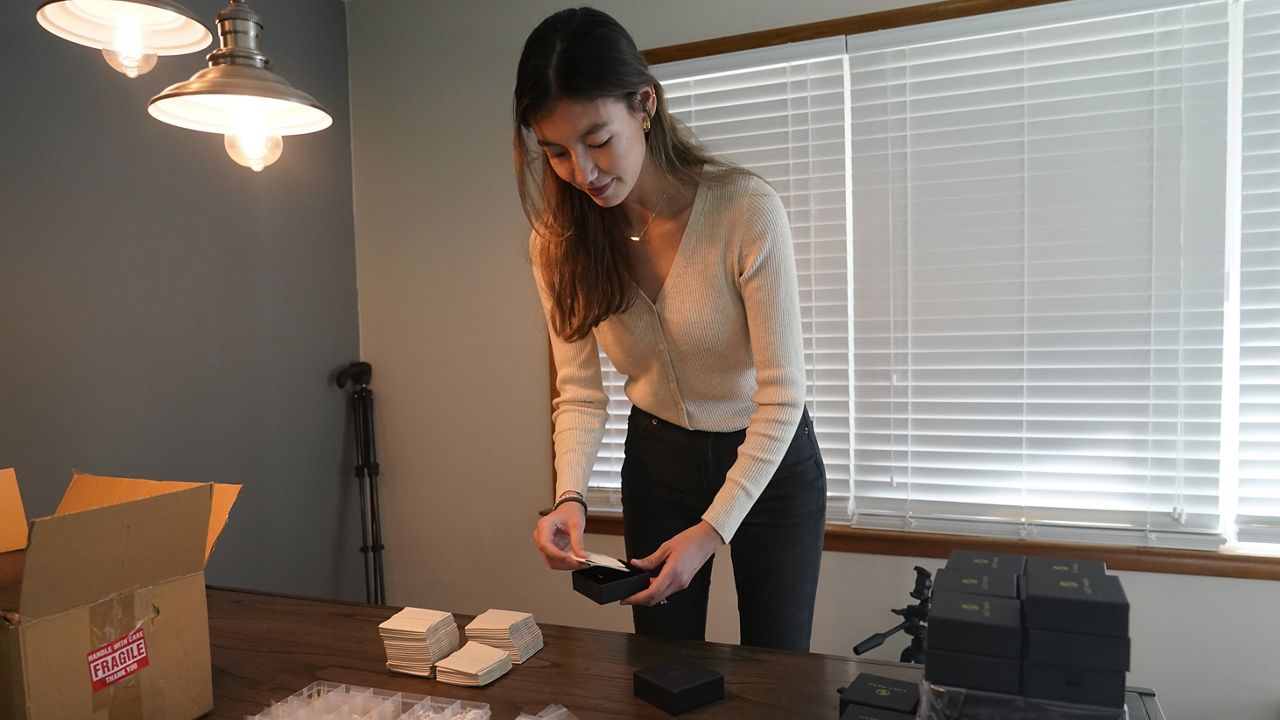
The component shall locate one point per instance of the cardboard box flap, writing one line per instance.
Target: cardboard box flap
(13, 519)
(94, 491)
(79, 557)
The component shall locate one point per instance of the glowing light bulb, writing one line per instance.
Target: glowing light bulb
(128, 53)
(254, 149)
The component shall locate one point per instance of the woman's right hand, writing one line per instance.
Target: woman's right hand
(558, 536)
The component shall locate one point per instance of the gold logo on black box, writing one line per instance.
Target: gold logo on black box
(884, 692)
(981, 561)
(1069, 583)
(969, 581)
(1061, 567)
(970, 607)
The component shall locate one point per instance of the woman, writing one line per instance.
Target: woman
(680, 267)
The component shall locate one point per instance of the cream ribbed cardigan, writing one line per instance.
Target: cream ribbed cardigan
(720, 350)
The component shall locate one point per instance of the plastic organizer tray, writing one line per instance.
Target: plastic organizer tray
(331, 701)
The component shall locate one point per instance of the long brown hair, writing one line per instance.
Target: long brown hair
(584, 54)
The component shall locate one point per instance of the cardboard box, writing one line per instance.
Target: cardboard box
(104, 601)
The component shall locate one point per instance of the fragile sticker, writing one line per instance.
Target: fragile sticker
(117, 660)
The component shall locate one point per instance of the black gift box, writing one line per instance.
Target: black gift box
(862, 712)
(976, 582)
(1097, 652)
(1077, 685)
(985, 561)
(1075, 604)
(874, 691)
(1064, 568)
(975, 624)
(976, 672)
(678, 686)
(606, 585)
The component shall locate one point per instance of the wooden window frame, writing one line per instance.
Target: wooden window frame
(841, 538)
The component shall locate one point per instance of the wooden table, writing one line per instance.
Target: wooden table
(267, 647)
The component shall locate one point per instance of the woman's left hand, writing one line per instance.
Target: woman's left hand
(683, 556)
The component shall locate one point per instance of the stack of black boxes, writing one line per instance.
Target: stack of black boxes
(975, 623)
(1077, 620)
(1038, 628)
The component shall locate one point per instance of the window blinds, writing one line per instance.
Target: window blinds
(1027, 241)
(1259, 431)
(1038, 264)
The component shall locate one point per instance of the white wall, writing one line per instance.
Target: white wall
(450, 321)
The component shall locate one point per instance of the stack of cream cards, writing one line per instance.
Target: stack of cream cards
(474, 665)
(514, 632)
(417, 639)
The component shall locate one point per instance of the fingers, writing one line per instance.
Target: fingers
(576, 547)
(667, 583)
(654, 594)
(658, 557)
(552, 538)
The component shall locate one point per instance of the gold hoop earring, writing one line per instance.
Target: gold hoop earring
(644, 124)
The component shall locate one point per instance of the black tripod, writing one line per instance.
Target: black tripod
(359, 374)
(915, 623)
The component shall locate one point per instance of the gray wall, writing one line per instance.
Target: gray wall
(449, 315)
(168, 314)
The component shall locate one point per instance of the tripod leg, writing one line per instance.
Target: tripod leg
(357, 407)
(379, 583)
(375, 514)
(364, 535)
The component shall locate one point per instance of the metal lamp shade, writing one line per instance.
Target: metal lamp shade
(170, 28)
(217, 98)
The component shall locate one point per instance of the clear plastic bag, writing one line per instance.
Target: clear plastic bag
(940, 702)
(333, 701)
(550, 712)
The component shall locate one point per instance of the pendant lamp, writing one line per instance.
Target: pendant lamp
(130, 33)
(238, 96)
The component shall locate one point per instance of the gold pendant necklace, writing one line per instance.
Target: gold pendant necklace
(638, 238)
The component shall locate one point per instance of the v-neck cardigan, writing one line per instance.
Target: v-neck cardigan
(720, 350)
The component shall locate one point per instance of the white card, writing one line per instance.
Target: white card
(599, 560)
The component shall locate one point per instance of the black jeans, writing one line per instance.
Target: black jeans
(669, 478)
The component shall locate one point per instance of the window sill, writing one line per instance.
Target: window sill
(1219, 563)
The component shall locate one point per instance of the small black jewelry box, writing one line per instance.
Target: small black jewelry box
(874, 691)
(976, 672)
(606, 585)
(985, 561)
(678, 686)
(1097, 652)
(1074, 604)
(975, 624)
(976, 582)
(1078, 685)
(862, 712)
(1064, 568)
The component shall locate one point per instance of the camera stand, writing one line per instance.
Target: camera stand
(915, 622)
